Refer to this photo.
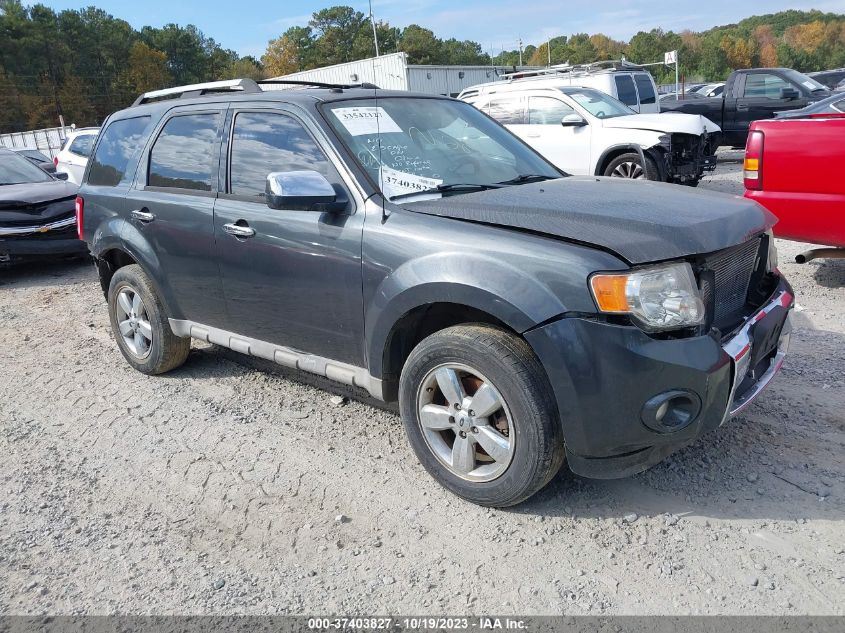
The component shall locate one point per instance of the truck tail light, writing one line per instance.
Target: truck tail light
(753, 165)
(80, 208)
(56, 161)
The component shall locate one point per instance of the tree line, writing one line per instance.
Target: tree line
(84, 64)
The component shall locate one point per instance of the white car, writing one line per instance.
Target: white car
(73, 156)
(587, 132)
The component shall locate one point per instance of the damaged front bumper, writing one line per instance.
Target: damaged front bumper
(55, 238)
(611, 380)
(686, 157)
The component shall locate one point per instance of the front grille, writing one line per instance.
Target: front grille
(727, 289)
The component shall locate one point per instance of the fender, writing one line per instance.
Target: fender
(599, 171)
(131, 241)
(488, 285)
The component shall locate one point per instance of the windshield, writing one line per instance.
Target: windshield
(15, 170)
(410, 144)
(599, 104)
(804, 80)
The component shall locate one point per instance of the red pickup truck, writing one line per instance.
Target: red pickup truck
(794, 168)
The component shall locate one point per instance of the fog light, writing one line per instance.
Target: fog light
(671, 411)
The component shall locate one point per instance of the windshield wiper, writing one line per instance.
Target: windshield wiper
(458, 186)
(523, 178)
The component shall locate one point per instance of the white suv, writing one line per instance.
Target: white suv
(584, 131)
(73, 156)
(631, 84)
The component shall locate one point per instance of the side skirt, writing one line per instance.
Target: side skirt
(285, 356)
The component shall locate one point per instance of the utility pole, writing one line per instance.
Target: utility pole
(549, 45)
(520, 51)
(373, 22)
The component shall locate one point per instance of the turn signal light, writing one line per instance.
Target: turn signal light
(609, 291)
(80, 208)
(753, 165)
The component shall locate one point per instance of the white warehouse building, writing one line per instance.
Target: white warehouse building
(393, 72)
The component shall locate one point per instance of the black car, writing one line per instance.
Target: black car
(413, 247)
(834, 104)
(833, 79)
(37, 212)
(38, 159)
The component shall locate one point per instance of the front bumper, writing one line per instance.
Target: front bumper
(40, 240)
(603, 376)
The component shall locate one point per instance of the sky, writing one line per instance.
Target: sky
(247, 25)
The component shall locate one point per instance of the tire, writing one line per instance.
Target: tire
(631, 163)
(492, 365)
(158, 350)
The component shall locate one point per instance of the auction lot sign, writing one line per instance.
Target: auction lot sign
(541, 624)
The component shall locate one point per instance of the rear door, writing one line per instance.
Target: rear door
(171, 209)
(296, 281)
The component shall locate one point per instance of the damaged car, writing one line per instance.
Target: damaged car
(410, 246)
(584, 131)
(37, 212)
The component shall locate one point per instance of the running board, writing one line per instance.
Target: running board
(285, 356)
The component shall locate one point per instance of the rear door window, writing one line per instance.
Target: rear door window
(645, 88)
(547, 110)
(626, 92)
(184, 155)
(117, 145)
(506, 110)
(263, 143)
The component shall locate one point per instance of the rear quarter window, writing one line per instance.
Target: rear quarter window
(117, 144)
(82, 144)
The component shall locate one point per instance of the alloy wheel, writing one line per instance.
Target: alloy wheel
(628, 169)
(134, 322)
(465, 422)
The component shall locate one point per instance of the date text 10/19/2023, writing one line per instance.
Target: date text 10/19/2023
(480, 623)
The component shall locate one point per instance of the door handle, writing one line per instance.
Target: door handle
(238, 230)
(535, 135)
(142, 216)
(741, 108)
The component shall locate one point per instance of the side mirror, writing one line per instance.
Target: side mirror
(789, 94)
(573, 120)
(300, 191)
(61, 175)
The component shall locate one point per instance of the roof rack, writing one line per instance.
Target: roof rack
(234, 85)
(608, 65)
(317, 84)
(197, 90)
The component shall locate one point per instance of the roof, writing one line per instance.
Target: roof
(300, 96)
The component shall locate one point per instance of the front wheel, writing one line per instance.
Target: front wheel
(630, 165)
(480, 414)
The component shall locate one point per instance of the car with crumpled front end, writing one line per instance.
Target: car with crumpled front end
(584, 131)
(37, 212)
(412, 247)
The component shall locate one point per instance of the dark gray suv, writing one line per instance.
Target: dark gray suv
(411, 246)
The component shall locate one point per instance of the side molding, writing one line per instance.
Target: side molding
(285, 356)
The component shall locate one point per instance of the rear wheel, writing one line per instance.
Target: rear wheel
(630, 165)
(480, 414)
(140, 326)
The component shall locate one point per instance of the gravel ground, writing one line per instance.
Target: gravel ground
(232, 487)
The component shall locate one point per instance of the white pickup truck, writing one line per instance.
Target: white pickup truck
(584, 131)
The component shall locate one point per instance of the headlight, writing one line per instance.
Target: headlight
(772, 262)
(659, 298)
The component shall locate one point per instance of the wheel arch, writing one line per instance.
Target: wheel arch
(613, 152)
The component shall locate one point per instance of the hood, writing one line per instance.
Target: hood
(640, 221)
(36, 202)
(29, 193)
(665, 122)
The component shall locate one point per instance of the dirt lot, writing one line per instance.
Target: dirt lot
(226, 488)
